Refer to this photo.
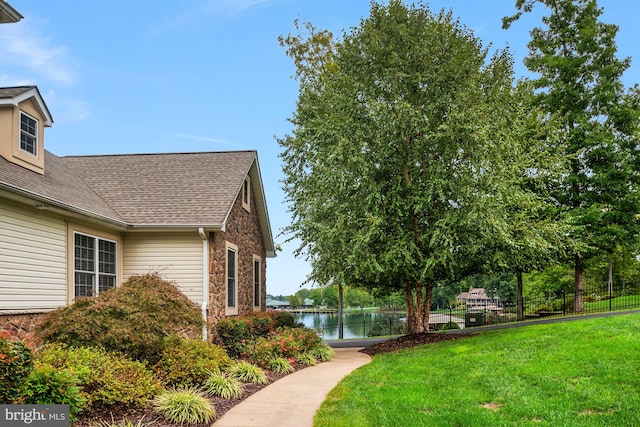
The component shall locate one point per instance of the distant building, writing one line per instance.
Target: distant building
(276, 304)
(477, 299)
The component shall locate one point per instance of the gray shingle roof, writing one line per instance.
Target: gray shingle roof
(57, 186)
(166, 189)
(12, 92)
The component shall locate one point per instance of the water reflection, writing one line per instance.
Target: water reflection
(358, 324)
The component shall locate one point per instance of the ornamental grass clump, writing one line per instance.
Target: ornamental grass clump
(222, 384)
(249, 373)
(306, 359)
(323, 353)
(280, 365)
(185, 405)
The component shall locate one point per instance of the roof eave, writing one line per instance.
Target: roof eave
(8, 14)
(174, 227)
(47, 204)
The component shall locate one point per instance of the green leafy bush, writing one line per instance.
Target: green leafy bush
(16, 362)
(185, 362)
(49, 385)
(133, 319)
(105, 378)
(219, 383)
(185, 406)
(233, 333)
(284, 342)
(249, 373)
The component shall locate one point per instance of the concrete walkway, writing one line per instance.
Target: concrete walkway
(293, 400)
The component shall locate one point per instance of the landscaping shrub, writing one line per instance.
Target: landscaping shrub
(234, 332)
(105, 378)
(280, 365)
(133, 319)
(322, 352)
(306, 359)
(48, 385)
(185, 362)
(221, 384)
(284, 342)
(16, 362)
(185, 406)
(249, 373)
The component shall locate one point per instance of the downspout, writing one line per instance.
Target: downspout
(205, 280)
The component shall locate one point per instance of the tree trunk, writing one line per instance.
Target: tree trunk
(578, 284)
(340, 313)
(520, 300)
(426, 311)
(415, 308)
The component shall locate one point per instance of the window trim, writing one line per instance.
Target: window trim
(25, 132)
(246, 194)
(257, 282)
(230, 310)
(96, 272)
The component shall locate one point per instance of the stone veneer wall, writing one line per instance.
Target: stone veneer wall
(242, 230)
(19, 325)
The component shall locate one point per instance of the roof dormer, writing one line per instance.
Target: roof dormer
(23, 117)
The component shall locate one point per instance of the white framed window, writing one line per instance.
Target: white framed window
(257, 282)
(94, 264)
(28, 134)
(232, 279)
(246, 194)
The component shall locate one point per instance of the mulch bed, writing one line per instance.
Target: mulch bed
(146, 417)
(407, 341)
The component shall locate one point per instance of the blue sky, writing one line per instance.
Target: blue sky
(207, 75)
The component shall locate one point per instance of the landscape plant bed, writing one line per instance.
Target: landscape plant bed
(147, 417)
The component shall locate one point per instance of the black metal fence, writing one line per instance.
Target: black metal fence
(461, 315)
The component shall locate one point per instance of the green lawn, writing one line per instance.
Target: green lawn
(579, 373)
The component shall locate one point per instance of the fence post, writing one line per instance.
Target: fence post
(390, 319)
(564, 302)
(364, 328)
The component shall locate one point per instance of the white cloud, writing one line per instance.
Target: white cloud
(33, 55)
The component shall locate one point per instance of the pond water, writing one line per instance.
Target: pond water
(359, 324)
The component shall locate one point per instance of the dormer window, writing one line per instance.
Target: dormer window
(28, 134)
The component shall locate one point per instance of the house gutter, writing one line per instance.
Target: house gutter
(205, 280)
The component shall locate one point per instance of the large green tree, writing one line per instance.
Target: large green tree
(407, 154)
(579, 80)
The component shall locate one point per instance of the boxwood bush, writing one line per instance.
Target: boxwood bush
(105, 378)
(186, 362)
(134, 319)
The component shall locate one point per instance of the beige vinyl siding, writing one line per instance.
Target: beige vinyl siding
(32, 259)
(175, 256)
